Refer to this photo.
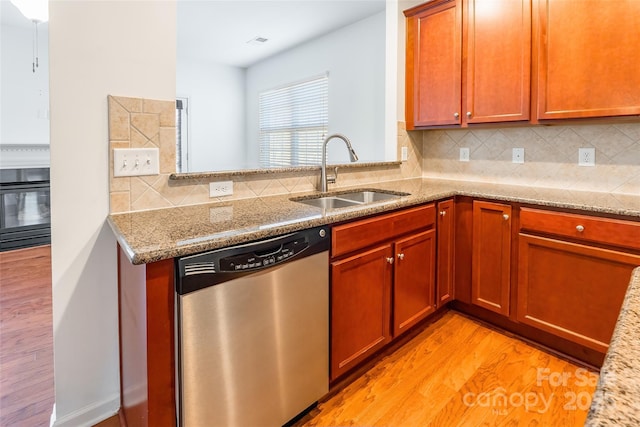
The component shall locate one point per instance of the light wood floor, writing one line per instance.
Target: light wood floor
(458, 372)
(26, 338)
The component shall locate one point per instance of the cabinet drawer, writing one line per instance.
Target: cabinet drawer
(359, 234)
(605, 231)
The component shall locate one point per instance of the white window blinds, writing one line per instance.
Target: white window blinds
(293, 123)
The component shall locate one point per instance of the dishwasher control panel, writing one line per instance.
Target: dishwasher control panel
(209, 268)
(265, 258)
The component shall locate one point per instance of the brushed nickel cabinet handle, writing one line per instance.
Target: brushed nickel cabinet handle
(456, 115)
(505, 216)
(469, 114)
(580, 228)
(443, 213)
(390, 260)
(400, 256)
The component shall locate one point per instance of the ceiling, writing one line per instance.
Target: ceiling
(10, 15)
(218, 30)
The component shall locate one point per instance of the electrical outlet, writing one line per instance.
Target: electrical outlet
(518, 155)
(464, 154)
(220, 188)
(136, 161)
(586, 156)
(404, 154)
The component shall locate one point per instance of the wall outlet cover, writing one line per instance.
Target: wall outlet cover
(586, 156)
(220, 188)
(404, 154)
(464, 154)
(518, 155)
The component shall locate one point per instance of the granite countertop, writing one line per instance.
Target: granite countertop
(616, 401)
(153, 235)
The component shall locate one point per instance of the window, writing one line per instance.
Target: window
(293, 123)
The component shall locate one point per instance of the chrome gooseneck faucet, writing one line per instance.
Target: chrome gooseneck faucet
(323, 172)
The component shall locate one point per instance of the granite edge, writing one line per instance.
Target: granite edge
(285, 170)
(615, 401)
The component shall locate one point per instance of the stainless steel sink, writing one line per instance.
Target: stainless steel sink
(352, 198)
(328, 202)
(368, 196)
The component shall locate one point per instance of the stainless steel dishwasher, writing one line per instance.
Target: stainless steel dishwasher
(253, 331)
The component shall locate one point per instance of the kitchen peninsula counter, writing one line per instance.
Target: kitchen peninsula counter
(616, 402)
(154, 235)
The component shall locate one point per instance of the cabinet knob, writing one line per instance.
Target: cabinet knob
(505, 216)
(400, 256)
(580, 228)
(456, 115)
(443, 213)
(390, 260)
(469, 114)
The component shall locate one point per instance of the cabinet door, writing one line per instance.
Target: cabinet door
(572, 290)
(433, 76)
(360, 307)
(491, 261)
(587, 58)
(414, 280)
(497, 41)
(446, 238)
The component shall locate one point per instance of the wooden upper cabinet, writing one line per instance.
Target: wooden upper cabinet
(468, 62)
(497, 47)
(491, 261)
(433, 73)
(587, 59)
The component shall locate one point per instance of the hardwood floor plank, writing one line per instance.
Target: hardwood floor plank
(458, 372)
(26, 337)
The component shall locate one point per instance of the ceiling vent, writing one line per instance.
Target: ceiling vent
(257, 41)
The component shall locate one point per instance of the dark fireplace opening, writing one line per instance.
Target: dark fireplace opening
(25, 218)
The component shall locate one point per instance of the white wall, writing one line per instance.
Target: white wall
(356, 85)
(25, 95)
(97, 48)
(216, 113)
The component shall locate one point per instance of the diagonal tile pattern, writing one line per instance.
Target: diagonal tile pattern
(551, 156)
(135, 122)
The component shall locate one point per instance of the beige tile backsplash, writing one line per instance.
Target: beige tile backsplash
(551, 159)
(135, 122)
(551, 156)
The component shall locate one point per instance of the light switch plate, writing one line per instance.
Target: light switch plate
(136, 161)
(586, 156)
(518, 155)
(404, 154)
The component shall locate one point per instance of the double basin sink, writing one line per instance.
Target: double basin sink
(345, 200)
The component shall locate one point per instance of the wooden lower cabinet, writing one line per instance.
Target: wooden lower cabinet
(360, 307)
(491, 259)
(445, 252)
(378, 292)
(414, 281)
(572, 290)
(146, 296)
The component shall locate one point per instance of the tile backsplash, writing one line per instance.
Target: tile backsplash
(551, 156)
(551, 159)
(135, 122)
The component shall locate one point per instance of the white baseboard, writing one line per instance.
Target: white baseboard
(89, 415)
